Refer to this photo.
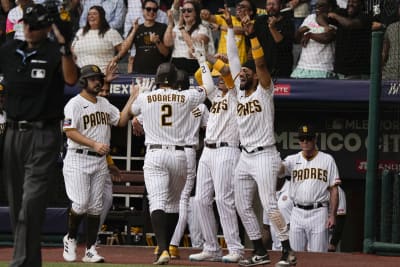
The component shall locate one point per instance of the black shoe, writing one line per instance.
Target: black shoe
(255, 260)
(288, 259)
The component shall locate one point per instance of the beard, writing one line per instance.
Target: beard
(246, 85)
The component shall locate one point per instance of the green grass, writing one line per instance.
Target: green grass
(65, 264)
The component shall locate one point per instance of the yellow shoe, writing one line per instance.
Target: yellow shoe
(174, 252)
(163, 259)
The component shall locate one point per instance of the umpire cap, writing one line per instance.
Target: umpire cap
(36, 16)
(90, 71)
(306, 130)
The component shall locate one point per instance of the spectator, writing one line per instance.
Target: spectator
(242, 8)
(5, 7)
(148, 41)
(391, 51)
(275, 32)
(300, 11)
(115, 12)
(180, 37)
(96, 43)
(353, 41)
(318, 47)
(14, 25)
(135, 12)
(74, 8)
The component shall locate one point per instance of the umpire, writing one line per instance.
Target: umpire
(35, 71)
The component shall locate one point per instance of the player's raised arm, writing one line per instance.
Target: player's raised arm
(200, 55)
(231, 48)
(126, 113)
(264, 77)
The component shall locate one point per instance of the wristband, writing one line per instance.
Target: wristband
(181, 28)
(252, 35)
(218, 65)
(109, 160)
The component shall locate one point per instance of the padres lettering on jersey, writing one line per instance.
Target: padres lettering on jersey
(217, 107)
(97, 118)
(310, 173)
(248, 108)
(166, 98)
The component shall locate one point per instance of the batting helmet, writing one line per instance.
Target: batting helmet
(89, 71)
(166, 74)
(182, 80)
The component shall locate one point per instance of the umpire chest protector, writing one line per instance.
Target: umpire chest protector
(34, 79)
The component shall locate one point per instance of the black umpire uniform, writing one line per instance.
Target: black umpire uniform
(34, 71)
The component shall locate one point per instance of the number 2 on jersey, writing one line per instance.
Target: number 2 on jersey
(166, 114)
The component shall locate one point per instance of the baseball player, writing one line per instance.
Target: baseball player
(285, 205)
(87, 124)
(336, 232)
(259, 160)
(215, 176)
(198, 119)
(313, 189)
(166, 113)
(114, 171)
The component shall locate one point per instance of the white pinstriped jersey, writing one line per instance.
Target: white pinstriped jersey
(92, 120)
(255, 116)
(166, 113)
(222, 125)
(310, 179)
(198, 119)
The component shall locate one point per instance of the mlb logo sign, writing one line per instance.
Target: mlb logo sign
(67, 123)
(38, 73)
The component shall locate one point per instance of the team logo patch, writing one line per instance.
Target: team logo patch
(95, 69)
(38, 73)
(67, 123)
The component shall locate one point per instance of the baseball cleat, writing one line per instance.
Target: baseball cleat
(206, 256)
(92, 256)
(288, 259)
(173, 252)
(255, 260)
(69, 253)
(232, 257)
(163, 259)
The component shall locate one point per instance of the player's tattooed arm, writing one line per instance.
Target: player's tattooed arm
(79, 138)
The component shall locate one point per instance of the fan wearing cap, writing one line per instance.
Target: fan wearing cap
(37, 71)
(87, 124)
(314, 192)
(259, 160)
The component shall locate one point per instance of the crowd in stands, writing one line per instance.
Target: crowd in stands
(301, 38)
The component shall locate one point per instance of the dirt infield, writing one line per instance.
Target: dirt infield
(143, 255)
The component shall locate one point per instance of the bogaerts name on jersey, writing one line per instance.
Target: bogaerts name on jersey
(310, 173)
(94, 119)
(166, 98)
(248, 108)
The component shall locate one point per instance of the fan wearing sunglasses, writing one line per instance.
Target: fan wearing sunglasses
(314, 192)
(147, 38)
(188, 28)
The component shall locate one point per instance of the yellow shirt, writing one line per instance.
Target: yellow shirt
(240, 39)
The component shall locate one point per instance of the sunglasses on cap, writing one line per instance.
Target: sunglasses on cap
(306, 138)
(187, 10)
(154, 9)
